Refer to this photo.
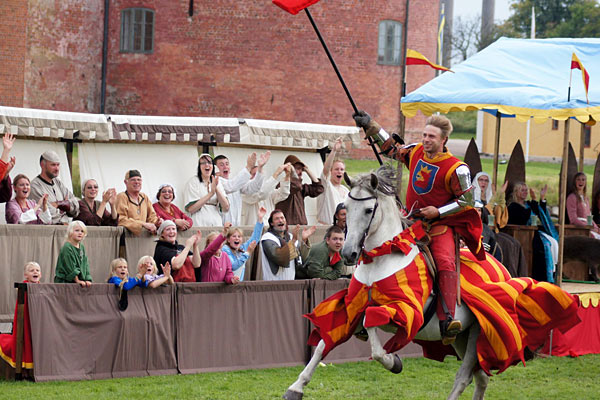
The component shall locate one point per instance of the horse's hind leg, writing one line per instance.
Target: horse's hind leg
(481, 382)
(391, 362)
(464, 376)
(296, 390)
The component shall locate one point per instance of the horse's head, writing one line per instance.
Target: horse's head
(370, 202)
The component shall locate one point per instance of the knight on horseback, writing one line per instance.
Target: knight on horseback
(439, 191)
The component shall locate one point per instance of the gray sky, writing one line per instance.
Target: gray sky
(470, 8)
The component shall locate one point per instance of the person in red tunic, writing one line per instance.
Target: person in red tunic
(8, 342)
(439, 190)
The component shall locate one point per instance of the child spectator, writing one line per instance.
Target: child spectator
(119, 276)
(8, 343)
(215, 266)
(148, 273)
(72, 265)
(239, 252)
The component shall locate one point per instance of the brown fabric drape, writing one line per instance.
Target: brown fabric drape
(251, 325)
(22, 243)
(79, 333)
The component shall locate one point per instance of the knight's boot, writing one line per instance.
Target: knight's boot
(449, 327)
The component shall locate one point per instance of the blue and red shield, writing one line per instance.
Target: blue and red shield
(423, 177)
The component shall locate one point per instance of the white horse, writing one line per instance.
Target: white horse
(373, 217)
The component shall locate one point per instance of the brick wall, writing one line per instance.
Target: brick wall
(253, 60)
(13, 42)
(64, 55)
(230, 59)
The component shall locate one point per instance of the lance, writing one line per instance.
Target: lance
(294, 7)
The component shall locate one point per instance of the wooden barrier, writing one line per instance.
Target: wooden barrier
(524, 234)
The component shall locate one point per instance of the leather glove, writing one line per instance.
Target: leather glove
(364, 120)
(63, 205)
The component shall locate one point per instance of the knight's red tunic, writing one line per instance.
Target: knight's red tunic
(430, 179)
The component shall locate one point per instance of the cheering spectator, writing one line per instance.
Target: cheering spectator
(182, 259)
(93, 212)
(21, 210)
(331, 178)
(6, 165)
(62, 203)
(216, 266)
(239, 252)
(282, 251)
(293, 206)
(204, 194)
(339, 217)
(578, 205)
(148, 273)
(166, 210)
(324, 260)
(273, 190)
(119, 276)
(72, 265)
(134, 207)
(244, 182)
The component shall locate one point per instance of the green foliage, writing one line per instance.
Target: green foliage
(543, 378)
(464, 123)
(555, 18)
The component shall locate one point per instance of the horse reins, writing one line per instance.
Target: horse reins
(366, 233)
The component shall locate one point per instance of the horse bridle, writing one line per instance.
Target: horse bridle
(362, 240)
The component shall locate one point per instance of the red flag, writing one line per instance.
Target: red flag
(415, 58)
(576, 64)
(294, 6)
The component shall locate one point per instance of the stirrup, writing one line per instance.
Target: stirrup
(450, 328)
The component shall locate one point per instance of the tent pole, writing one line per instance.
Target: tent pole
(561, 204)
(496, 150)
(581, 147)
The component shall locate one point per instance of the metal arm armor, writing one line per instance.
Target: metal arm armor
(466, 197)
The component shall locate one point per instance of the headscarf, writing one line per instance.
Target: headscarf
(477, 189)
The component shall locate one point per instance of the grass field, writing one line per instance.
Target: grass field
(538, 174)
(543, 378)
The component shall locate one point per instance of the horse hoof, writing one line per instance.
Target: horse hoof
(397, 368)
(291, 395)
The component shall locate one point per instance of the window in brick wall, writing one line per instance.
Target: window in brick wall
(137, 30)
(390, 44)
(587, 136)
(554, 125)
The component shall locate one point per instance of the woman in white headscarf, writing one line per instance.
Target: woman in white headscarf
(494, 203)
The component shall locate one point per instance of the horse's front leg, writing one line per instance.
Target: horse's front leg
(296, 390)
(464, 376)
(391, 362)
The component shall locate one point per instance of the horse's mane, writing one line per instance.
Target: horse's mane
(387, 182)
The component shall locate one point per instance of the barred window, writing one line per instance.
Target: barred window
(390, 44)
(137, 30)
(587, 138)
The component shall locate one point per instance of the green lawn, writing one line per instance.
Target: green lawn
(543, 378)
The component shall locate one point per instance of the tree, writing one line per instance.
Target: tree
(465, 36)
(555, 18)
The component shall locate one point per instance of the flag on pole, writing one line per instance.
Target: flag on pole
(415, 58)
(294, 6)
(576, 64)
(440, 38)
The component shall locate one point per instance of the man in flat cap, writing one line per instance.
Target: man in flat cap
(62, 203)
(134, 207)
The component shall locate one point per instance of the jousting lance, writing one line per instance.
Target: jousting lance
(294, 7)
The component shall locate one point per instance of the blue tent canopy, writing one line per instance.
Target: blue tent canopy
(520, 77)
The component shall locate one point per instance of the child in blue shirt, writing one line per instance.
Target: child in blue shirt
(239, 252)
(119, 276)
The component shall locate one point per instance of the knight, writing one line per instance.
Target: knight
(439, 191)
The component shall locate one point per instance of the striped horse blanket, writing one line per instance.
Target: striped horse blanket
(513, 313)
